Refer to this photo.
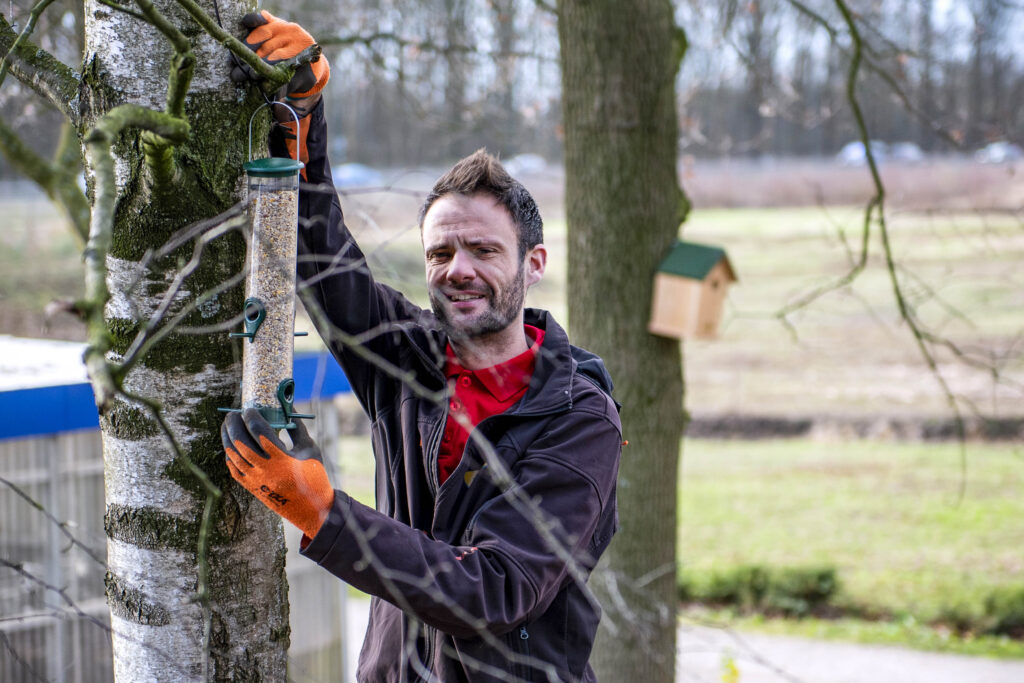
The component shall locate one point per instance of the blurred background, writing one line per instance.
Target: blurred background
(823, 490)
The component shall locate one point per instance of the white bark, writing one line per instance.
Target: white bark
(154, 506)
(136, 57)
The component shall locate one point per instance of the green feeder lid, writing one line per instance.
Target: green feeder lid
(273, 167)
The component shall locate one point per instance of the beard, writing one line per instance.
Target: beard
(503, 308)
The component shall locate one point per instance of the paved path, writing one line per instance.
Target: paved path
(777, 659)
(704, 651)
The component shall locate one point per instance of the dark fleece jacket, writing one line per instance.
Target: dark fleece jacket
(484, 576)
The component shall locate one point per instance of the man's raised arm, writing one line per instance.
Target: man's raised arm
(337, 287)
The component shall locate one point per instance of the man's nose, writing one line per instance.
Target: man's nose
(460, 268)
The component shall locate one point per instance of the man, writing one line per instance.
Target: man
(496, 442)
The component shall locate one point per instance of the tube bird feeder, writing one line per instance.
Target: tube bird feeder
(268, 314)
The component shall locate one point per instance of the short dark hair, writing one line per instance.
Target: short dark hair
(481, 172)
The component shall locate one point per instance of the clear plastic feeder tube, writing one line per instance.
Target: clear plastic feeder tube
(269, 313)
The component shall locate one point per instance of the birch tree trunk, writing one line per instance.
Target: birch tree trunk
(624, 207)
(154, 504)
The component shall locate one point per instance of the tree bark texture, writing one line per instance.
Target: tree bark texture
(154, 504)
(624, 207)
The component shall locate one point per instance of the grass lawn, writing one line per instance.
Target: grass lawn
(886, 515)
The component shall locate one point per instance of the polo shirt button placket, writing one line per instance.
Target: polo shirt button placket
(465, 380)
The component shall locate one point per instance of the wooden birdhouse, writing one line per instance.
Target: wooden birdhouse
(689, 291)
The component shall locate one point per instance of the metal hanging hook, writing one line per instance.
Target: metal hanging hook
(298, 125)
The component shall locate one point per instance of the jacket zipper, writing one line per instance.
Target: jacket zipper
(433, 448)
(429, 633)
(522, 665)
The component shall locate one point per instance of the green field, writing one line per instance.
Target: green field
(887, 516)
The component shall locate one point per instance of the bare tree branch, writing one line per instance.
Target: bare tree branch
(30, 26)
(150, 335)
(63, 526)
(74, 608)
(98, 143)
(124, 10)
(275, 76)
(14, 653)
(42, 72)
(57, 179)
(877, 203)
(158, 150)
(425, 45)
(877, 69)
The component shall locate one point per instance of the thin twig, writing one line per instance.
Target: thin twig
(878, 203)
(123, 10)
(150, 335)
(276, 76)
(368, 40)
(63, 526)
(50, 78)
(871, 64)
(33, 16)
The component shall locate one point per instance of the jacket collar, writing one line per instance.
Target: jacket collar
(551, 385)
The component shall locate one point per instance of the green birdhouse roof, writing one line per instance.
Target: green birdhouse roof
(695, 261)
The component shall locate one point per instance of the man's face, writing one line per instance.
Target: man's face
(475, 278)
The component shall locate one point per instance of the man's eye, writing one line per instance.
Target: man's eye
(437, 256)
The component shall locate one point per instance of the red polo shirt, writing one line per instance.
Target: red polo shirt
(478, 394)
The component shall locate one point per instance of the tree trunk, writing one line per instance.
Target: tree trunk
(456, 77)
(154, 504)
(624, 207)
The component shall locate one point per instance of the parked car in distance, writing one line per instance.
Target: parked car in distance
(907, 152)
(523, 164)
(852, 153)
(999, 153)
(356, 175)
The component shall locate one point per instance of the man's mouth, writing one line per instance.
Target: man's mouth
(464, 297)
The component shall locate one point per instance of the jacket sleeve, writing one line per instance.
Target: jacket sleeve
(336, 286)
(559, 511)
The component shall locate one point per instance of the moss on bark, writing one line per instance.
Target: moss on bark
(151, 528)
(127, 422)
(187, 352)
(130, 603)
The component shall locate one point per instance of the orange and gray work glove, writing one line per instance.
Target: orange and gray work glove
(276, 40)
(291, 482)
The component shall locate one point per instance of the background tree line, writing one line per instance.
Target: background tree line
(426, 81)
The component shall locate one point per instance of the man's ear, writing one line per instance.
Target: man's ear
(534, 263)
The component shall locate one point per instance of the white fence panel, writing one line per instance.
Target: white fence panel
(54, 624)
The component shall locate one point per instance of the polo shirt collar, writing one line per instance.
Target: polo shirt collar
(503, 380)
